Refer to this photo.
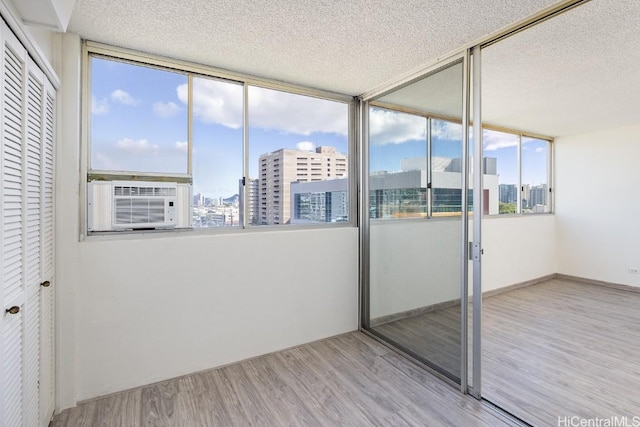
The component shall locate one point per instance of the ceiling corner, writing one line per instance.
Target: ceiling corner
(52, 14)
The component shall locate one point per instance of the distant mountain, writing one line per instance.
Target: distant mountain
(233, 200)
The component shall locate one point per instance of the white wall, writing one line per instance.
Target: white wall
(151, 309)
(135, 311)
(45, 40)
(417, 263)
(517, 249)
(67, 221)
(598, 205)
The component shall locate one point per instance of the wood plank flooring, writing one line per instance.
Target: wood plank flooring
(563, 348)
(554, 349)
(349, 380)
(434, 336)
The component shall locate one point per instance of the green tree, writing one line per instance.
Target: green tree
(507, 208)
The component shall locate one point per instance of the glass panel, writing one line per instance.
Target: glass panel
(415, 262)
(535, 189)
(138, 118)
(501, 171)
(398, 165)
(298, 158)
(217, 162)
(446, 178)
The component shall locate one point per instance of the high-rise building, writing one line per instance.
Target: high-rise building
(252, 189)
(280, 168)
(526, 190)
(399, 194)
(322, 201)
(538, 197)
(508, 193)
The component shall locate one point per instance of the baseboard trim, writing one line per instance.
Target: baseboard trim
(493, 292)
(515, 286)
(602, 283)
(378, 321)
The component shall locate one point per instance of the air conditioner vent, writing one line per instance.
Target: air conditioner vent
(135, 191)
(139, 211)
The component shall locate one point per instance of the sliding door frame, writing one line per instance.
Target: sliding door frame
(364, 221)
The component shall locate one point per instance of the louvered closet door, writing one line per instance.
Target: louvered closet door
(26, 232)
(32, 240)
(46, 260)
(15, 314)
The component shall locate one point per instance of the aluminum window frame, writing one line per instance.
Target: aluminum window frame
(92, 49)
(549, 172)
(518, 133)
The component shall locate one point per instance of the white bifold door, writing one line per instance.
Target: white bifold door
(26, 232)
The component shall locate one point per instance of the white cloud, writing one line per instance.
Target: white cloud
(306, 146)
(494, 141)
(446, 130)
(215, 102)
(390, 127)
(289, 113)
(123, 97)
(540, 150)
(99, 107)
(137, 146)
(181, 145)
(222, 103)
(165, 110)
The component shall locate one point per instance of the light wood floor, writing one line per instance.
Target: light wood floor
(554, 349)
(563, 348)
(434, 336)
(349, 380)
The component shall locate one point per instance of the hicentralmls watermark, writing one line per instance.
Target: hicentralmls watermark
(615, 421)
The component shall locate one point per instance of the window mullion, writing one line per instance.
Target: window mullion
(190, 125)
(429, 169)
(519, 192)
(245, 156)
(550, 183)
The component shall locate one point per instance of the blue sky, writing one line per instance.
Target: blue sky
(139, 124)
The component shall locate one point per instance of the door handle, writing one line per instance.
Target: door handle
(13, 310)
(45, 284)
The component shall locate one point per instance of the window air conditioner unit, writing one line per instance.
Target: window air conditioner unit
(132, 205)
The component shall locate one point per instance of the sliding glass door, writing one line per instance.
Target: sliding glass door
(415, 215)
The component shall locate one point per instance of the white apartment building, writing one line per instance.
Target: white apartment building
(280, 168)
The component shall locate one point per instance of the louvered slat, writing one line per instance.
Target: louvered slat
(46, 355)
(33, 148)
(47, 187)
(46, 296)
(12, 162)
(12, 368)
(32, 360)
(12, 233)
(33, 153)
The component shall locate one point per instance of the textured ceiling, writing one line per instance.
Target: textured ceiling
(573, 73)
(344, 46)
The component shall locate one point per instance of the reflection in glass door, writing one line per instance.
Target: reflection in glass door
(415, 219)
